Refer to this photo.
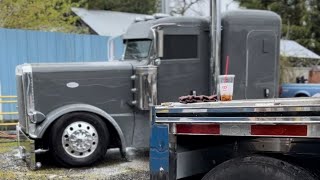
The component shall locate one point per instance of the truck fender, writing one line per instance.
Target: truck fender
(302, 92)
(55, 114)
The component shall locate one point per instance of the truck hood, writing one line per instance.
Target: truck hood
(105, 85)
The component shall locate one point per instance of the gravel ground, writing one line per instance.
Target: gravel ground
(112, 167)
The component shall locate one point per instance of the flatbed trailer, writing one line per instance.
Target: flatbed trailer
(242, 139)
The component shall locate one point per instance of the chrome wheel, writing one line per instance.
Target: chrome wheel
(80, 139)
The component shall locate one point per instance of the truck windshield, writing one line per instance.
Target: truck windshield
(137, 49)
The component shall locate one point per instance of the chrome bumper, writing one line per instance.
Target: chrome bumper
(27, 149)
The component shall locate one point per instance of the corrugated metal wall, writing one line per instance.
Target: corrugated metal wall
(20, 46)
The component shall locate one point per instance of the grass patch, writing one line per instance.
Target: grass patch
(8, 175)
(7, 145)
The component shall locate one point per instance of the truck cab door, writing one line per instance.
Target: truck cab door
(261, 80)
(183, 66)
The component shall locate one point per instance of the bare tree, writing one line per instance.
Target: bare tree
(180, 7)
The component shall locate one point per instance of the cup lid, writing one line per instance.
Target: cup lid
(228, 75)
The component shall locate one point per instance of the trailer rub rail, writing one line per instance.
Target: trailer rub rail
(276, 117)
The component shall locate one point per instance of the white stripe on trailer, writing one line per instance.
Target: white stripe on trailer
(313, 130)
(235, 129)
(241, 120)
(194, 110)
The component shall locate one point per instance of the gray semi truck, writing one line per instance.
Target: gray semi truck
(77, 111)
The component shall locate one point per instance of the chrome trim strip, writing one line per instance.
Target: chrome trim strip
(121, 115)
(27, 87)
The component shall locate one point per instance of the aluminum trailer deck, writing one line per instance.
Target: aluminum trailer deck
(189, 139)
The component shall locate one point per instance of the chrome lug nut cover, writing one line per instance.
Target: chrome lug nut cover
(80, 139)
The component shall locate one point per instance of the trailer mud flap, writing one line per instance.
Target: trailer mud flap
(26, 149)
(159, 152)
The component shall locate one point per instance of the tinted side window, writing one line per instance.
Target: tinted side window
(180, 46)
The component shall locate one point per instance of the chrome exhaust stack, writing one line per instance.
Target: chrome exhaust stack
(215, 12)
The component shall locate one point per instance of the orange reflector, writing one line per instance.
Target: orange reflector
(285, 130)
(197, 129)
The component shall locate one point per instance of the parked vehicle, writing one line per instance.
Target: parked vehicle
(244, 139)
(299, 90)
(79, 110)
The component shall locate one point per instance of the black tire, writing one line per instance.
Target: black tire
(301, 95)
(60, 153)
(257, 168)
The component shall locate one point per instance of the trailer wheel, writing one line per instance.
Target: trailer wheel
(79, 139)
(257, 168)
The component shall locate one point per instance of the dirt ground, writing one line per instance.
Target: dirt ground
(112, 167)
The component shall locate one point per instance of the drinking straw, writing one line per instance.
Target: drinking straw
(227, 66)
(226, 69)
